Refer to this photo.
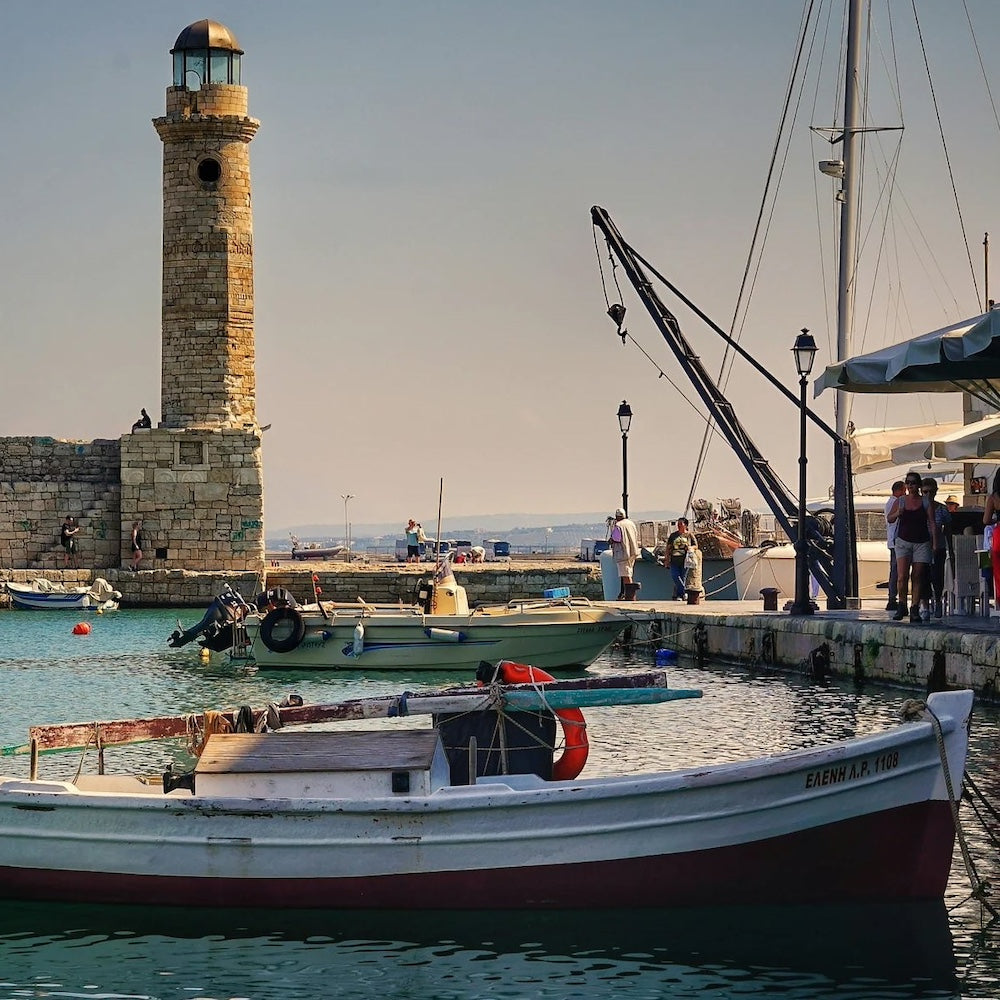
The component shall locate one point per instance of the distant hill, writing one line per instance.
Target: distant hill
(551, 530)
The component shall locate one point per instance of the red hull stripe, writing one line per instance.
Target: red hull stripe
(901, 854)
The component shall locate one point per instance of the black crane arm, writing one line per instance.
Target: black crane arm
(837, 571)
(783, 505)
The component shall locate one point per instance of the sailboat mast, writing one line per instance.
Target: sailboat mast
(848, 212)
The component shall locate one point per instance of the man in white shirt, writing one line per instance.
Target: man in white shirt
(898, 489)
(625, 549)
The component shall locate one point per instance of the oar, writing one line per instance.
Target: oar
(120, 731)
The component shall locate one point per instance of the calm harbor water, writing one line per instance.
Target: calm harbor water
(124, 668)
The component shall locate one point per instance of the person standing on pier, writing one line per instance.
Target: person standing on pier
(678, 544)
(916, 539)
(991, 516)
(412, 541)
(898, 489)
(942, 518)
(625, 549)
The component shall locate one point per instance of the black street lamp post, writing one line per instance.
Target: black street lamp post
(805, 354)
(624, 419)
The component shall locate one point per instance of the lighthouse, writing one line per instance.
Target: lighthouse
(207, 365)
(195, 479)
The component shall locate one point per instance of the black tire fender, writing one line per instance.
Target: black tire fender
(291, 628)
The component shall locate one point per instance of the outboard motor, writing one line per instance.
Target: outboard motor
(425, 595)
(216, 627)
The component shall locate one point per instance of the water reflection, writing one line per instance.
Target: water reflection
(124, 668)
(794, 952)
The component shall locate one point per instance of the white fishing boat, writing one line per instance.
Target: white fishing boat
(439, 632)
(399, 818)
(758, 568)
(44, 595)
(772, 564)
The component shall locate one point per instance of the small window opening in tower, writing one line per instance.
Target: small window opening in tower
(209, 171)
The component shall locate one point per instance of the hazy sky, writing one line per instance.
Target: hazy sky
(428, 302)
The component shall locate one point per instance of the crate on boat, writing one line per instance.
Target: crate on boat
(322, 765)
(557, 592)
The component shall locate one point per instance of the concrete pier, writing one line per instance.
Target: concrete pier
(863, 644)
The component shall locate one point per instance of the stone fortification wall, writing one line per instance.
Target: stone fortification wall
(181, 588)
(200, 497)
(43, 479)
(482, 583)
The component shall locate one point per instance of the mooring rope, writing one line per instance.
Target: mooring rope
(912, 709)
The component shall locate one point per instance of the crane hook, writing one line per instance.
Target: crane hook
(617, 313)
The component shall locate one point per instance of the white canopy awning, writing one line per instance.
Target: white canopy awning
(980, 440)
(873, 447)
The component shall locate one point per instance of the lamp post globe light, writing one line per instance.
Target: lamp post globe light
(804, 350)
(624, 420)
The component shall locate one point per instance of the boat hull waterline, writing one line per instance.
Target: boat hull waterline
(863, 820)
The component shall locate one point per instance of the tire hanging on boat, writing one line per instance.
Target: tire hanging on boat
(291, 628)
(574, 726)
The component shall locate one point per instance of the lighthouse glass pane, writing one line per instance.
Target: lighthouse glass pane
(237, 68)
(178, 69)
(219, 66)
(197, 69)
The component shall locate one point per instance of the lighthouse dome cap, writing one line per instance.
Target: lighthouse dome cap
(206, 34)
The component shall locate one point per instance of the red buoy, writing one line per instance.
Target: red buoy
(81, 628)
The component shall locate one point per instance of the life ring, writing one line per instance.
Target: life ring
(290, 626)
(574, 726)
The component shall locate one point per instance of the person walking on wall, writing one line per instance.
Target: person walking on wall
(625, 549)
(991, 516)
(136, 545)
(67, 539)
(898, 489)
(916, 539)
(678, 544)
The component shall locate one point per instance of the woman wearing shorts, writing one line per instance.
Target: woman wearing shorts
(916, 538)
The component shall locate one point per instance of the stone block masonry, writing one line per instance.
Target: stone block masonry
(199, 494)
(208, 351)
(42, 479)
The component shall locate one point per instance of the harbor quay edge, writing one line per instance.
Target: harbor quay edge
(960, 652)
(957, 653)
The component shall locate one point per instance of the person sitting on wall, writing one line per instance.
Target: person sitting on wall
(143, 422)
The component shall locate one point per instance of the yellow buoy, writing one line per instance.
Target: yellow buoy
(205, 654)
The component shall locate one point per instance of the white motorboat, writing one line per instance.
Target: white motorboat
(44, 595)
(399, 818)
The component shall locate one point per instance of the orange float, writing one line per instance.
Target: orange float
(574, 726)
(81, 628)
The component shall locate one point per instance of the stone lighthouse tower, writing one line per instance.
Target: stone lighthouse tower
(207, 374)
(195, 479)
